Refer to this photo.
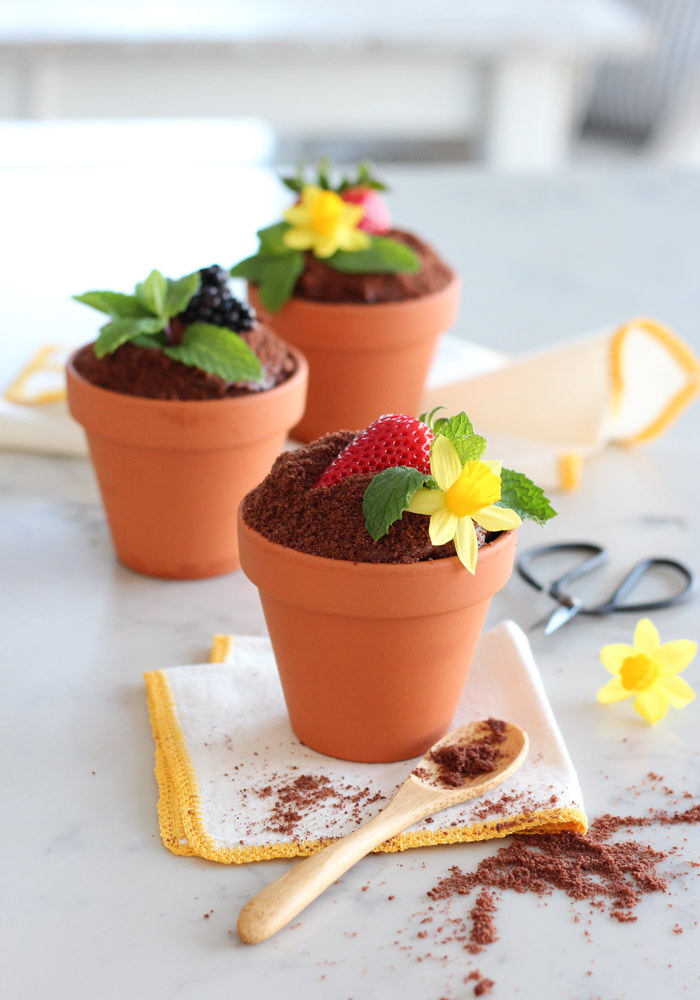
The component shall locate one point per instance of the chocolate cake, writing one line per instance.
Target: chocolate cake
(322, 283)
(140, 371)
(329, 522)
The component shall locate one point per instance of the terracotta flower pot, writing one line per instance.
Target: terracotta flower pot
(364, 360)
(372, 657)
(172, 473)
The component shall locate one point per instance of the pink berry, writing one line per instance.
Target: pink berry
(376, 219)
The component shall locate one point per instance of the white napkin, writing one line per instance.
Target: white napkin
(546, 413)
(226, 754)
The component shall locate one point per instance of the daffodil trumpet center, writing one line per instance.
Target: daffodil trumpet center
(476, 487)
(325, 211)
(637, 673)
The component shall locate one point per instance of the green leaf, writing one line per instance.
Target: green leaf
(113, 303)
(180, 292)
(276, 277)
(252, 268)
(219, 351)
(119, 331)
(324, 170)
(521, 495)
(453, 427)
(272, 242)
(151, 341)
(152, 293)
(383, 256)
(471, 448)
(459, 430)
(388, 496)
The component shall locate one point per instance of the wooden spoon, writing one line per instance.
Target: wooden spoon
(419, 796)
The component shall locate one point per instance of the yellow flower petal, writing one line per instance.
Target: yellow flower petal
(614, 690)
(466, 543)
(298, 239)
(613, 656)
(494, 464)
(497, 518)
(353, 240)
(352, 216)
(426, 501)
(651, 704)
(325, 246)
(444, 463)
(297, 215)
(678, 691)
(646, 637)
(443, 525)
(673, 657)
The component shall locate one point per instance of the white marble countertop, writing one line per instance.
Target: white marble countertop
(93, 904)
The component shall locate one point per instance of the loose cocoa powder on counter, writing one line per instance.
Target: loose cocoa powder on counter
(329, 522)
(139, 371)
(322, 283)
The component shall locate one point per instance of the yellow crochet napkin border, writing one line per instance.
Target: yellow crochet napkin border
(680, 352)
(17, 392)
(182, 827)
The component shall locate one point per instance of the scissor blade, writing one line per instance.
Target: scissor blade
(563, 614)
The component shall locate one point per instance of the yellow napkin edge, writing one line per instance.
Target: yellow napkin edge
(680, 352)
(182, 826)
(16, 390)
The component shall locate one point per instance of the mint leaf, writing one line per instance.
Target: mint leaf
(521, 495)
(277, 277)
(388, 496)
(180, 292)
(272, 240)
(119, 331)
(152, 293)
(383, 256)
(470, 449)
(453, 427)
(459, 430)
(113, 303)
(252, 268)
(150, 340)
(219, 351)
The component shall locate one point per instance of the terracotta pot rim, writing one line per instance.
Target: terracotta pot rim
(433, 567)
(250, 399)
(399, 305)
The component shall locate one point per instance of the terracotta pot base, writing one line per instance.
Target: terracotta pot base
(364, 360)
(173, 473)
(372, 658)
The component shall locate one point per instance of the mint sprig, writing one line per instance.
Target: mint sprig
(521, 495)
(387, 497)
(144, 319)
(363, 178)
(213, 349)
(459, 430)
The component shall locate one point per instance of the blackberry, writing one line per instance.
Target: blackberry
(213, 303)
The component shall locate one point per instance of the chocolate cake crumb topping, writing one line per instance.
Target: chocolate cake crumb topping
(329, 522)
(322, 283)
(140, 371)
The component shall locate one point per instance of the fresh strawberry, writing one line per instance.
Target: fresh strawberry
(394, 439)
(376, 219)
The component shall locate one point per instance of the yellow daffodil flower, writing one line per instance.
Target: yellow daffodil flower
(323, 222)
(465, 495)
(648, 672)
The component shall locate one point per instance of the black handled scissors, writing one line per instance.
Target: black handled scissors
(570, 605)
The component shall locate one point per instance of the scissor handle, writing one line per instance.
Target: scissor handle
(614, 602)
(596, 557)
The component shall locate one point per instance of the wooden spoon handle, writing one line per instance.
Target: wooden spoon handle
(278, 903)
